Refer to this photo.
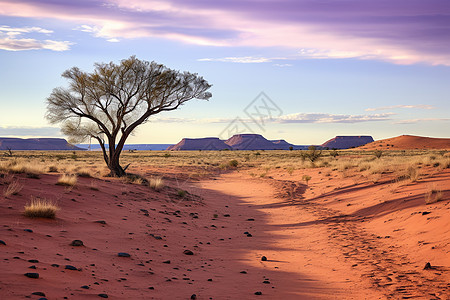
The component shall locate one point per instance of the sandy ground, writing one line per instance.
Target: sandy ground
(408, 142)
(335, 238)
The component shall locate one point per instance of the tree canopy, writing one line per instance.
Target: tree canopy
(110, 102)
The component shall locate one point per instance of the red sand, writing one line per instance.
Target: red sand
(337, 238)
(408, 142)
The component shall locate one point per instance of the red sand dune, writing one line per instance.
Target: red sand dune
(335, 238)
(408, 142)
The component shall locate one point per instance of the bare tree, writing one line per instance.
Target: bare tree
(109, 103)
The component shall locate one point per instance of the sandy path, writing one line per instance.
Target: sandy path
(303, 259)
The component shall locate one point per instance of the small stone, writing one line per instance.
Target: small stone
(101, 222)
(188, 252)
(166, 262)
(28, 230)
(243, 272)
(258, 293)
(249, 235)
(85, 287)
(32, 275)
(426, 213)
(38, 294)
(123, 254)
(32, 267)
(77, 243)
(428, 266)
(55, 265)
(2, 243)
(69, 267)
(43, 298)
(251, 219)
(266, 281)
(33, 261)
(102, 295)
(263, 258)
(151, 288)
(193, 297)
(210, 279)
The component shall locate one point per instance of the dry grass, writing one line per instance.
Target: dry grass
(13, 188)
(433, 195)
(67, 180)
(40, 208)
(156, 183)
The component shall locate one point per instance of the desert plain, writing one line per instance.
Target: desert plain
(370, 223)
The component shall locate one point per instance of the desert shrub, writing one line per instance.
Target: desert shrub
(84, 173)
(13, 188)
(334, 153)
(181, 193)
(156, 183)
(312, 154)
(306, 178)
(53, 169)
(290, 170)
(166, 155)
(378, 153)
(433, 195)
(67, 180)
(233, 163)
(40, 208)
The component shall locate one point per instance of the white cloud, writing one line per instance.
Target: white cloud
(11, 40)
(242, 59)
(414, 121)
(419, 106)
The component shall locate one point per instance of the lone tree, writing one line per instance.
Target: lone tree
(109, 103)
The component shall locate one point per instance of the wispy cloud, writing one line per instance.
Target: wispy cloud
(243, 59)
(11, 39)
(419, 106)
(383, 30)
(292, 118)
(414, 121)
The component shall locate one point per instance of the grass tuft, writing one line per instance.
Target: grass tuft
(13, 188)
(67, 180)
(40, 208)
(156, 183)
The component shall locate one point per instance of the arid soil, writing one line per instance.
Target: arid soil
(271, 237)
(408, 142)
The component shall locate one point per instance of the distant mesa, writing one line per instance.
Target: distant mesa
(210, 143)
(408, 142)
(36, 144)
(247, 141)
(346, 142)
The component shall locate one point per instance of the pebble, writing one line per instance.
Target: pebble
(33, 261)
(428, 266)
(38, 294)
(166, 262)
(69, 267)
(85, 287)
(2, 243)
(263, 258)
(102, 295)
(101, 222)
(32, 275)
(28, 230)
(193, 297)
(258, 293)
(77, 243)
(123, 254)
(188, 252)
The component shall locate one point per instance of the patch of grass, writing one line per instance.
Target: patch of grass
(433, 195)
(53, 169)
(156, 183)
(67, 180)
(40, 208)
(233, 163)
(181, 193)
(306, 178)
(13, 188)
(378, 153)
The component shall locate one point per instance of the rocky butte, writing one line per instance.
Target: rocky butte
(345, 142)
(36, 144)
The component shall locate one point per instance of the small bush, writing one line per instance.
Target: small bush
(40, 208)
(433, 195)
(53, 169)
(84, 173)
(181, 193)
(13, 188)
(67, 180)
(306, 178)
(233, 163)
(312, 154)
(156, 183)
(378, 153)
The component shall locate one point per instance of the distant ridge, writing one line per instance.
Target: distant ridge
(36, 144)
(345, 142)
(408, 142)
(210, 143)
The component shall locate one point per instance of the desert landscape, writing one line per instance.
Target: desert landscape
(346, 224)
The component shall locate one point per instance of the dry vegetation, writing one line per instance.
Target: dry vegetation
(67, 180)
(40, 208)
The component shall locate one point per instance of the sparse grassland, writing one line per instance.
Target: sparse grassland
(67, 180)
(40, 208)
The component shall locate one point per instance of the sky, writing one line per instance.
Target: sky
(300, 70)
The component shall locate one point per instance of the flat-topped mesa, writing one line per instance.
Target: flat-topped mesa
(345, 142)
(36, 144)
(204, 144)
(250, 141)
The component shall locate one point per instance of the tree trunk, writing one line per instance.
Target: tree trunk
(114, 166)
